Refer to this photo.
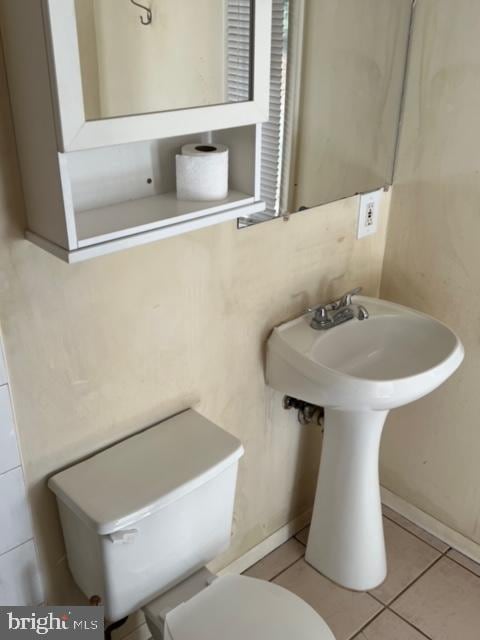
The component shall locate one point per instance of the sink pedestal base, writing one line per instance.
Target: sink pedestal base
(346, 541)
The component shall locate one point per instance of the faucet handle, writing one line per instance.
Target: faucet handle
(346, 299)
(334, 305)
(321, 319)
(321, 313)
(321, 309)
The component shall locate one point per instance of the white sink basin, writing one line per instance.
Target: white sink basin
(358, 371)
(396, 356)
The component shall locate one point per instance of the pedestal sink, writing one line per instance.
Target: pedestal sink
(357, 371)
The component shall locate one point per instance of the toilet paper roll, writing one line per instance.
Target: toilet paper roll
(202, 172)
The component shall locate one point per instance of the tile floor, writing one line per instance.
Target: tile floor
(431, 591)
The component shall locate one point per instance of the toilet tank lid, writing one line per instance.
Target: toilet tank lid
(129, 481)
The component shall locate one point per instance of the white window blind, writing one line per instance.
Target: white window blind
(273, 130)
(240, 37)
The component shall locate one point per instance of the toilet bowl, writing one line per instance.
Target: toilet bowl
(141, 520)
(233, 607)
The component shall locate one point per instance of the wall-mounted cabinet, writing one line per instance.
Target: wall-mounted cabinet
(117, 197)
(97, 154)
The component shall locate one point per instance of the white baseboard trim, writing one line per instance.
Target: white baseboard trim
(448, 535)
(246, 560)
(267, 546)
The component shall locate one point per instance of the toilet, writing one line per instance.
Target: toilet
(143, 518)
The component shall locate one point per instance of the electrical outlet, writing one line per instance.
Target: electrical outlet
(368, 213)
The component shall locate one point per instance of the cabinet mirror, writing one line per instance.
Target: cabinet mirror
(126, 71)
(162, 55)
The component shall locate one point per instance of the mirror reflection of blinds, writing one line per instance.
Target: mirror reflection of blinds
(239, 28)
(238, 88)
(273, 130)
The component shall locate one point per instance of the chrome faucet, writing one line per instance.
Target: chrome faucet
(327, 316)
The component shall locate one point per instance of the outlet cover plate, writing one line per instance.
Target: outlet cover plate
(368, 213)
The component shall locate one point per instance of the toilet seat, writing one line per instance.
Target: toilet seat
(241, 608)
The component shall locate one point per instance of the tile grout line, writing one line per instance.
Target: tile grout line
(420, 575)
(410, 624)
(374, 617)
(4, 473)
(442, 554)
(416, 535)
(336, 584)
(460, 564)
(300, 541)
(388, 607)
(286, 568)
(390, 519)
(367, 624)
(17, 546)
(375, 598)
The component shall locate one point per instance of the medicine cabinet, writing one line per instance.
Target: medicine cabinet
(103, 101)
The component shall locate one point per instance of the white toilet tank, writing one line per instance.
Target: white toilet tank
(146, 513)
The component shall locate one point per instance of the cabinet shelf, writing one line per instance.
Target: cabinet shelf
(145, 214)
(154, 232)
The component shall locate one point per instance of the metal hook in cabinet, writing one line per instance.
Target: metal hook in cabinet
(145, 21)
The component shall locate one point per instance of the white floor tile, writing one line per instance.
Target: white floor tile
(277, 561)
(407, 559)
(443, 603)
(345, 612)
(388, 626)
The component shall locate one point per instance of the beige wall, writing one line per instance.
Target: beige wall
(430, 452)
(99, 350)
